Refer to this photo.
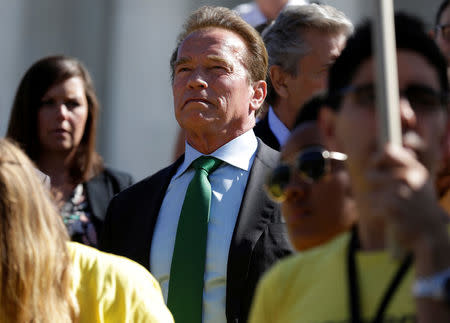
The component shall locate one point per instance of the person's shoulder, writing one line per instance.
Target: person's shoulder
(333, 248)
(122, 286)
(283, 270)
(149, 183)
(305, 263)
(119, 179)
(93, 260)
(118, 174)
(267, 154)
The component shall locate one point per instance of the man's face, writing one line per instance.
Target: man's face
(315, 211)
(423, 123)
(444, 44)
(213, 96)
(313, 68)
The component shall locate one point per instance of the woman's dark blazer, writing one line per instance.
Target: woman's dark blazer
(101, 189)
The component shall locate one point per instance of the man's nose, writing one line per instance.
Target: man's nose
(297, 189)
(197, 80)
(407, 114)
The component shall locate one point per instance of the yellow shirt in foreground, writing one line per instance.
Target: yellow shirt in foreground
(110, 288)
(312, 287)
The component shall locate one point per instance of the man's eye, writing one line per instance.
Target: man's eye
(182, 69)
(220, 68)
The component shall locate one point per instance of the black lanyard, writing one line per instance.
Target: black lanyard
(352, 276)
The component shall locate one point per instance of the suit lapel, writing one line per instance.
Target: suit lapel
(159, 184)
(251, 222)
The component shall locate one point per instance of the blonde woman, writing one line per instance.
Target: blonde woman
(46, 278)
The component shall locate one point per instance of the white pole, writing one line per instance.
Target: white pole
(387, 95)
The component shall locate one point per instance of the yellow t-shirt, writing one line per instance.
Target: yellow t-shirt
(110, 288)
(312, 287)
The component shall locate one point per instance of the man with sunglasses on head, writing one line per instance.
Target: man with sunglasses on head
(354, 278)
(441, 30)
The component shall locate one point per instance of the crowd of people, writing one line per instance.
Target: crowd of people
(280, 205)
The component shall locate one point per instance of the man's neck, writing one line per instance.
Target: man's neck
(209, 144)
(284, 113)
(209, 140)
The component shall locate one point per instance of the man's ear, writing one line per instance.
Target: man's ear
(327, 127)
(259, 94)
(432, 33)
(278, 80)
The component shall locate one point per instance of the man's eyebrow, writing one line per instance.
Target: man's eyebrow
(219, 59)
(216, 58)
(183, 60)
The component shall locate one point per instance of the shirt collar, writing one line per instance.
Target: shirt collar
(237, 152)
(278, 128)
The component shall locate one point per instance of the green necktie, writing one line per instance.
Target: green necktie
(185, 297)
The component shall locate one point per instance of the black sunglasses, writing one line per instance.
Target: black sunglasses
(421, 98)
(311, 164)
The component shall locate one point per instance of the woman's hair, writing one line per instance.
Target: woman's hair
(35, 270)
(23, 123)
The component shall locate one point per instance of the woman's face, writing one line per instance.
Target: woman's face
(62, 116)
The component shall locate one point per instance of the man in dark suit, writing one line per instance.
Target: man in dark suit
(218, 71)
(302, 44)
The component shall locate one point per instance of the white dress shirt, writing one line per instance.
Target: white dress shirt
(278, 128)
(228, 184)
(251, 13)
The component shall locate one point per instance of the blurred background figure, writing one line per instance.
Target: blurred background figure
(261, 12)
(312, 184)
(354, 277)
(53, 119)
(441, 34)
(45, 278)
(302, 44)
(441, 30)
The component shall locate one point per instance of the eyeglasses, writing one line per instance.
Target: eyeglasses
(445, 31)
(311, 164)
(420, 97)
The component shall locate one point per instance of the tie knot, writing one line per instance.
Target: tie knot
(207, 163)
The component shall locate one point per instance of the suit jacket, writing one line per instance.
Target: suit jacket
(263, 131)
(101, 189)
(259, 237)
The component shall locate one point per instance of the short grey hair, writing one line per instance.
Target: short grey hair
(284, 42)
(255, 60)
